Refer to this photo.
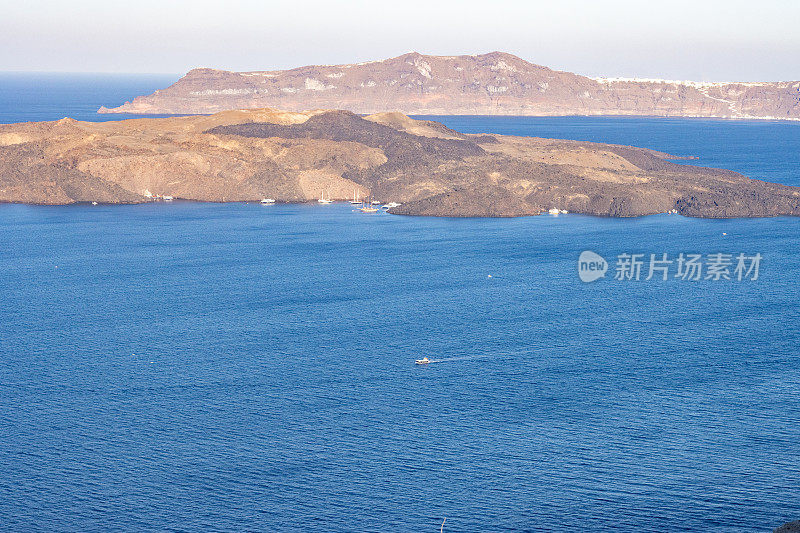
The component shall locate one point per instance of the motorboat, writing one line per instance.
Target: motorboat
(554, 211)
(423, 361)
(391, 205)
(167, 198)
(268, 201)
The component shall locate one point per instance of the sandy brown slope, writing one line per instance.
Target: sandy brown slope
(296, 157)
(490, 84)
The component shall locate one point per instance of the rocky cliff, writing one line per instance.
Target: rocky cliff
(489, 84)
(296, 157)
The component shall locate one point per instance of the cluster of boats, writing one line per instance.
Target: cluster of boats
(370, 206)
(156, 197)
(365, 206)
(374, 207)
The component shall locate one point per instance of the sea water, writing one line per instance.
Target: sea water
(186, 366)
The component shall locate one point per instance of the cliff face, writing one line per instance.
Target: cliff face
(295, 157)
(489, 84)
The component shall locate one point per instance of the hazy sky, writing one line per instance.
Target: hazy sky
(708, 40)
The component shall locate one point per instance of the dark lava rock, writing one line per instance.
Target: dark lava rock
(788, 527)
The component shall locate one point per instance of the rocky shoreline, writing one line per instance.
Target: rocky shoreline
(431, 170)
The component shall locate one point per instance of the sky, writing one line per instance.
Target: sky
(703, 40)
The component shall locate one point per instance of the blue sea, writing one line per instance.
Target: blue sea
(237, 367)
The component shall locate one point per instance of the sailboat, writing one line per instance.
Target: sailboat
(323, 200)
(366, 207)
(356, 200)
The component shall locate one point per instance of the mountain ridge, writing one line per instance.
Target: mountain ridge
(496, 83)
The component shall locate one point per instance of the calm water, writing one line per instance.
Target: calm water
(243, 367)
(52, 96)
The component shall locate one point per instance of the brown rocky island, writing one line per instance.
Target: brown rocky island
(489, 84)
(296, 157)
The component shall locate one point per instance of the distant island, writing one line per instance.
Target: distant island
(297, 157)
(490, 84)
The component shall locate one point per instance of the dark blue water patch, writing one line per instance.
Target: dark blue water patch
(766, 150)
(26, 97)
(237, 366)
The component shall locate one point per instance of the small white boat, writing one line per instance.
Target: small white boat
(167, 198)
(268, 201)
(554, 211)
(564, 211)
(391, 205)
(95, 203)
(375, 202)
(323, 200)
(423, 361)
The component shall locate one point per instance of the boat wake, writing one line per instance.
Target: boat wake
(463, 358)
